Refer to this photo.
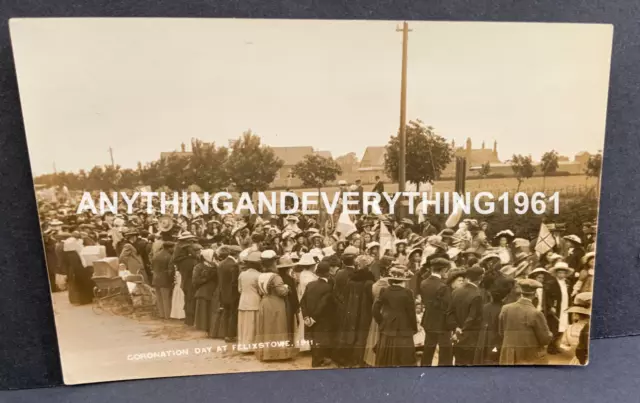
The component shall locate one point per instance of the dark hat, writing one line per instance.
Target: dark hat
(447, 233)
(130, 233)
(475, 272)
(529, 285)
(455, 274)
(257, 237)
(440, 262)
(407, 221)
(231, 249)
(168, 244)
(253, 257)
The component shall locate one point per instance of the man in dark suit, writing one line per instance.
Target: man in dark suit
(317, 310)
(379, 189)
(465, 316)
(436, 297)
(228, 272)
(360, 191)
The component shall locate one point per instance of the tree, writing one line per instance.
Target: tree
(484, 171)
(548, 165)
(348, 162)
(252, 166)
(129, 179)
(316, 171)
(175, 172)
(207, 166)
(522, 167)
(594, 167)
(427, 154)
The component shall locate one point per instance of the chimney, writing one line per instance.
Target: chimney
(495, 147)
(483, 144)
(468, 144)
(183, 147)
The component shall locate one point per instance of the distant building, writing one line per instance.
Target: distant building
(475, 157)
(575, 167)
(182, 153)
(291, 156)
(372, 164)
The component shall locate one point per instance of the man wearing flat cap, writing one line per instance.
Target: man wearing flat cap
(436, 297)
(524, 330)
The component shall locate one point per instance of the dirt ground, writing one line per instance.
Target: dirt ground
(101, 347)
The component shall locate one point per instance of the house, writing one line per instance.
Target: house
(372, 164)
(291, 156)
(475, 157)
(182, 153)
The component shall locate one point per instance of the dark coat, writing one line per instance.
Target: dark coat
(525, 334)
(228, 272)
(317, 303)
(205, 280)
(184, 263)
(436, 297)
(395, 312)
(163, 270)
(357, 313)
(465, 312)
(378, 187)
(340, 286)
(553, 299)
(489, 340)
(582, 351)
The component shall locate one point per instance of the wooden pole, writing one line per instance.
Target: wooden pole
(402, 174)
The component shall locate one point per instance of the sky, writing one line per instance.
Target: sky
(144, 86)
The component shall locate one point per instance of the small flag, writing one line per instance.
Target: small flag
(345, 226)
(386, 239)
(545, 241)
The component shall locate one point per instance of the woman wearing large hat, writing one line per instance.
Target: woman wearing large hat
(580, 312)
(557, 302)
(585, 277)
(305, 272)
(394, 311)
(541, 275)
(576, 250)
(272, 324)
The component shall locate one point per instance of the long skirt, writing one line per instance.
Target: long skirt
(246, 330)
(372, 339)
(177, 300)
(395, 351)
(202, 314)
(80, 285)
(302, 343)
(216, 329)
(272, 330)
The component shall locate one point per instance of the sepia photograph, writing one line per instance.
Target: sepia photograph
(236, 195)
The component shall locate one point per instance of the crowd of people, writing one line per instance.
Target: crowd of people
(279, 286)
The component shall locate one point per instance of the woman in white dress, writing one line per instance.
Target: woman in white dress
(177, 301)
(305, 267)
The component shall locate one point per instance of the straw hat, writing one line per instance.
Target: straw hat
(561, 266)
(573, 238)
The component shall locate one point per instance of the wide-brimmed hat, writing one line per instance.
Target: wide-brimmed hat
(583, 299)
(254, 257)
(446, 233)
(292, 218)
(316, 235)
(284, 262)
(453, 252)
(350, 251)
(521, 256)
(471, 251)
(506, 233)
(579, 309)
(372, 245)
(588, 256)
(398, 272)
(561, 266)
(440, 262)
(537, 271)
(407, 221)
(508, 270)
(268, 254)
(436, 241)
(573, 238)
(414, 250)
(455, 274)
(488, 256)
(131, 232)
(306, 260)
(521, 243)
(186, 235)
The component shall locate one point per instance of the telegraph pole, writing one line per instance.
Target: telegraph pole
(402, 174)
(111, 155)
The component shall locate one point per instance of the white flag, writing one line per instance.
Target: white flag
(345, 226)
(386, 239)
(545, 242)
